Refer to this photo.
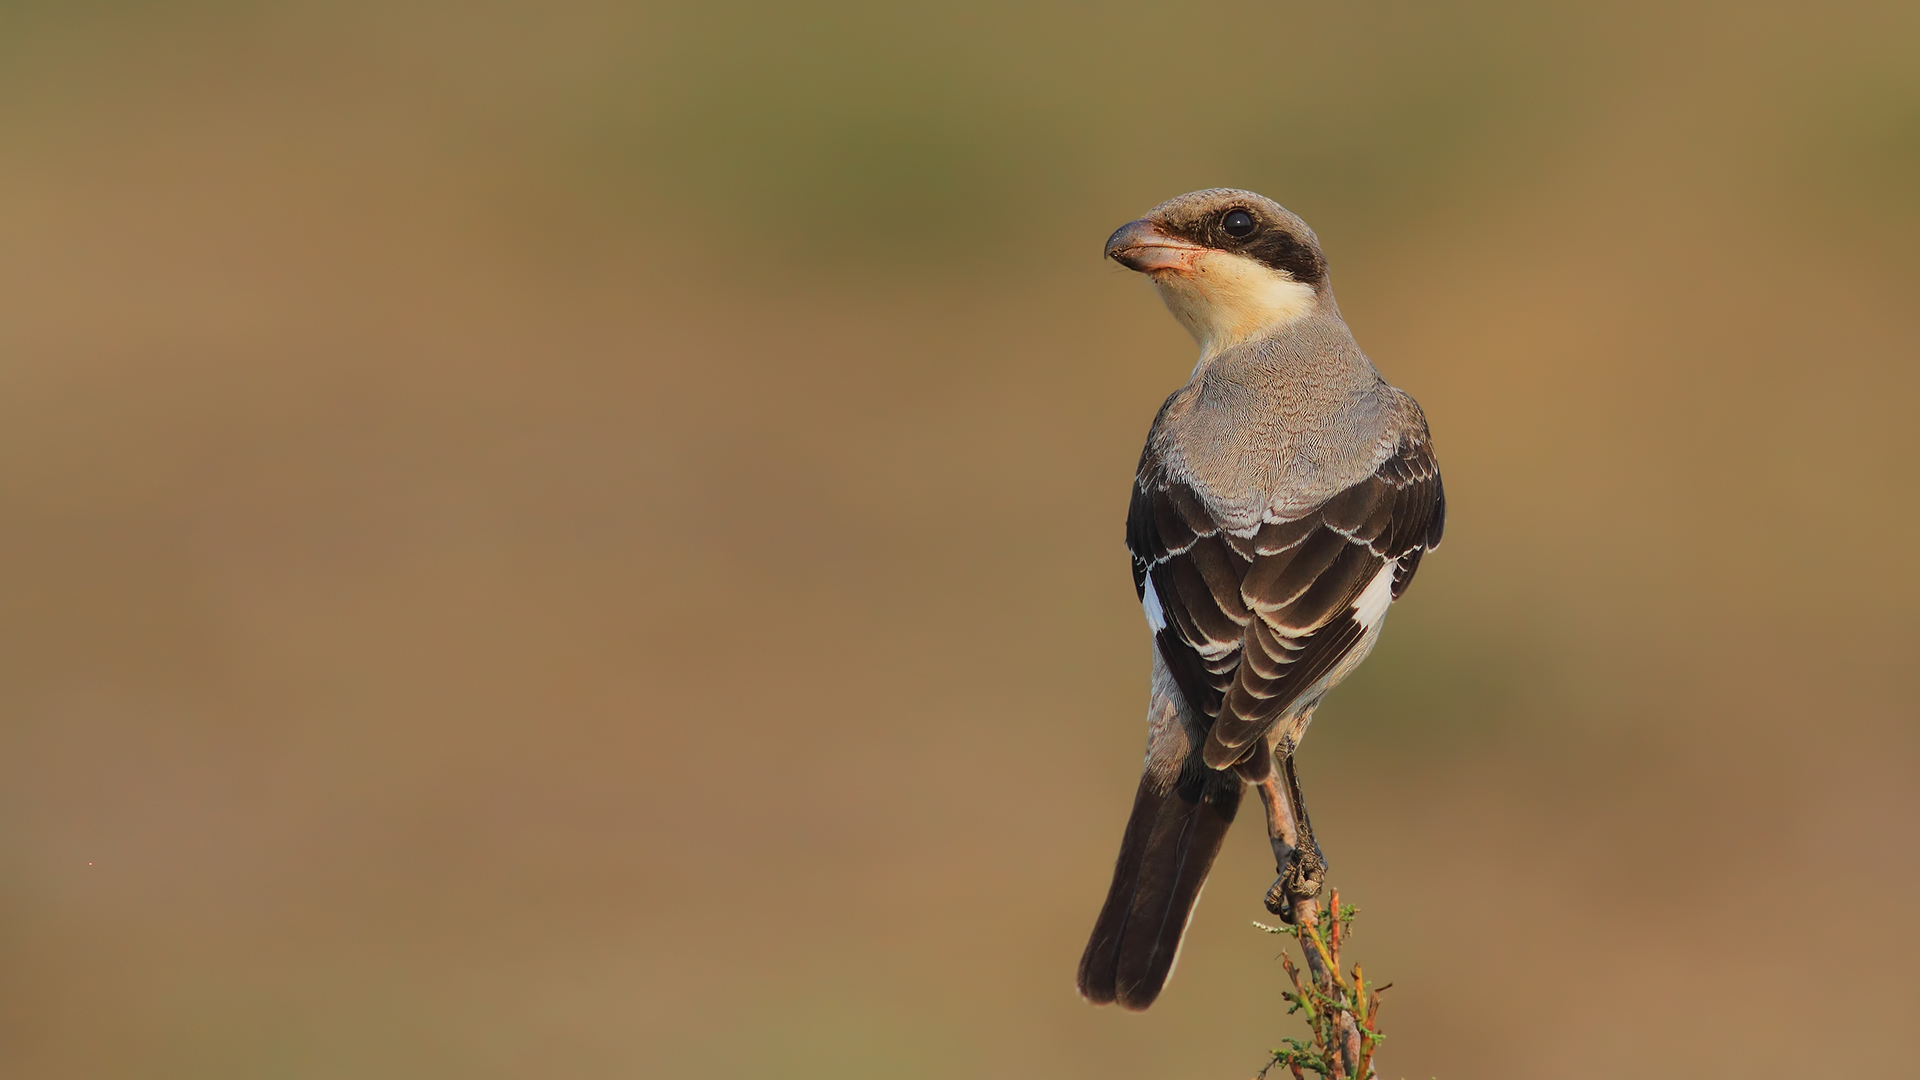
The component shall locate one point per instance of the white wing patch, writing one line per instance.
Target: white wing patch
(1150, 603)
(1371, 606)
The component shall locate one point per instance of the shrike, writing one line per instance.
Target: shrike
(1284, 500)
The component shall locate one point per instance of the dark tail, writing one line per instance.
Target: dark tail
(1170, 843)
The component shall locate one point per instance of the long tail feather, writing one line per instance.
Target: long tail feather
(1171, 840)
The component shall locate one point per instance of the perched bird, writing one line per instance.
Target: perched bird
(1284, 500)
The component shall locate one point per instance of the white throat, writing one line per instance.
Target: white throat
(1225, 300)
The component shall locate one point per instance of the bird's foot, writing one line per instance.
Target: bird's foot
(1301, 874)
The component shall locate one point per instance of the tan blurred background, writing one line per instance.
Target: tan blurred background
(573, 540)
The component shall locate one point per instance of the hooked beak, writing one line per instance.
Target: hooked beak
(1140, 245)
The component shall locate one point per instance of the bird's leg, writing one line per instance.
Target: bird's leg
(1282, 832)
(1302, 876)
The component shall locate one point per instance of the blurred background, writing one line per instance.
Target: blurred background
(584, 540)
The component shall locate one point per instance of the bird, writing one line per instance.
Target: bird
(1283, 501)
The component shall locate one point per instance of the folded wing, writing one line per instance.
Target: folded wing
(1252, 624)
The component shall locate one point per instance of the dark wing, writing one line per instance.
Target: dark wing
(1250, 625)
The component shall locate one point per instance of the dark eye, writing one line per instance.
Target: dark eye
(1238, 224)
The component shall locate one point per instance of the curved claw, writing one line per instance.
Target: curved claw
(1277, 902)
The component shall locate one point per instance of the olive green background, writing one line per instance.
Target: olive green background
(572, 540)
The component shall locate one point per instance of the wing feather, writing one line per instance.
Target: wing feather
(1334, 590)
(1274, 584)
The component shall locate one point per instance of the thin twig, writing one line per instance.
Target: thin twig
(1341, 1011)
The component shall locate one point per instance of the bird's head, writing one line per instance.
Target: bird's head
(1231, 265)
